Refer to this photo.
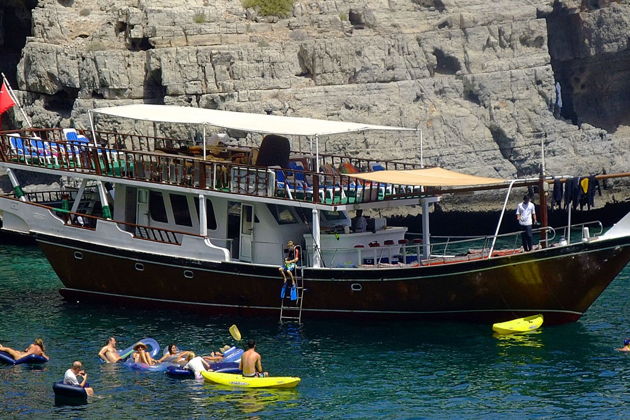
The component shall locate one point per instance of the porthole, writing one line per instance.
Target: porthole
(78, 255)
(356, 287)
(189, 274)
(139, 266)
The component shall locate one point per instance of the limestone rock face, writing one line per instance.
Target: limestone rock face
(477, 77)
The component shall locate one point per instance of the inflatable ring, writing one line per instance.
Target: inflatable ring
(147, 368)
(151, 343)
(30, 359)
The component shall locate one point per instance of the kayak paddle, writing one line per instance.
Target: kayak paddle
(235, 333)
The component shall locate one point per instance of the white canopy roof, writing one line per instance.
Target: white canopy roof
(243, 121)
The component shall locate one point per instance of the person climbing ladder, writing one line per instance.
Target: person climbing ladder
(290, 263)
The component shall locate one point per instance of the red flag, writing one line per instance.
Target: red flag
(6, 101)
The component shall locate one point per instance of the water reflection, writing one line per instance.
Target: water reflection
(248, 401)
(526, 339)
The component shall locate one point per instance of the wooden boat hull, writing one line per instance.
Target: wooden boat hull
(560, 283)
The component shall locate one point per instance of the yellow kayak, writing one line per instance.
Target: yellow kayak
(232, 379)
(518, 325)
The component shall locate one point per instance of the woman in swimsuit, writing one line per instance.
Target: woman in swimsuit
(174, 355)
(37, 348)
(140, 355)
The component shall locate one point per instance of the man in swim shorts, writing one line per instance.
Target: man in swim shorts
(37, 348)
(70, 378)
(251, 362)
(109, 353)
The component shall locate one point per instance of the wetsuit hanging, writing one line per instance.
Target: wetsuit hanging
(593, 184)
(557, 193)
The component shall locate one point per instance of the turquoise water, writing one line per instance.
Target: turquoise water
(348, 369)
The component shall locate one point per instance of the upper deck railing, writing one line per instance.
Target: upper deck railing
(231, 172)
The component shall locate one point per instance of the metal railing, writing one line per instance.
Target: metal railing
(89, 222)
(225, 176)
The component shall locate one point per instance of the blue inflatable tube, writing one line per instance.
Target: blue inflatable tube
(225, 367)
(151, 343)
(147, 368)
(232, 354)
(30, 359)
(69, 391)
(181, 373)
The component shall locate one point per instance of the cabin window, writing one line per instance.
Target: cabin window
(156, 207)
(179, 203)
(211, 221)
(334, 215)
(282, 214)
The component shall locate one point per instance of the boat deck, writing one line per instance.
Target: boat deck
(224, 169)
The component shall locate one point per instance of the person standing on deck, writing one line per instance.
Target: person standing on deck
(359, 223)
(525, 213)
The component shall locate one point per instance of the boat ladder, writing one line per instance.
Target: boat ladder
(291, 310)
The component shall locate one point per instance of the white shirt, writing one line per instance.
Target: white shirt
(196, 365)
(70, 378)
(525, 213)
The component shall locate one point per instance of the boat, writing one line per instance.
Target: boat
(518, 325)
(201, 221)
(236, 380)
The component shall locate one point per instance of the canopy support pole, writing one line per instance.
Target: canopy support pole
(107, 213)
(315, 222)
(569, 223)
(421, 150)
(426, 234)
(204, 144)
(494, 239)
(92, 127)
(203, 224)
(17, 189)
(79, 196)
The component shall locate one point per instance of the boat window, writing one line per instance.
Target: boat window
(334, 215)
(156, 207)
(282, 214)
(211, 221)
(247, 224)
(179, 203)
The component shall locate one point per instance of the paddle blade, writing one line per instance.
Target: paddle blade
(235, 333)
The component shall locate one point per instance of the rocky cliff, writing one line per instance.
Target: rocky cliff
(477, 76)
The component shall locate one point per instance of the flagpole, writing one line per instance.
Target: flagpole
(6, 82)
